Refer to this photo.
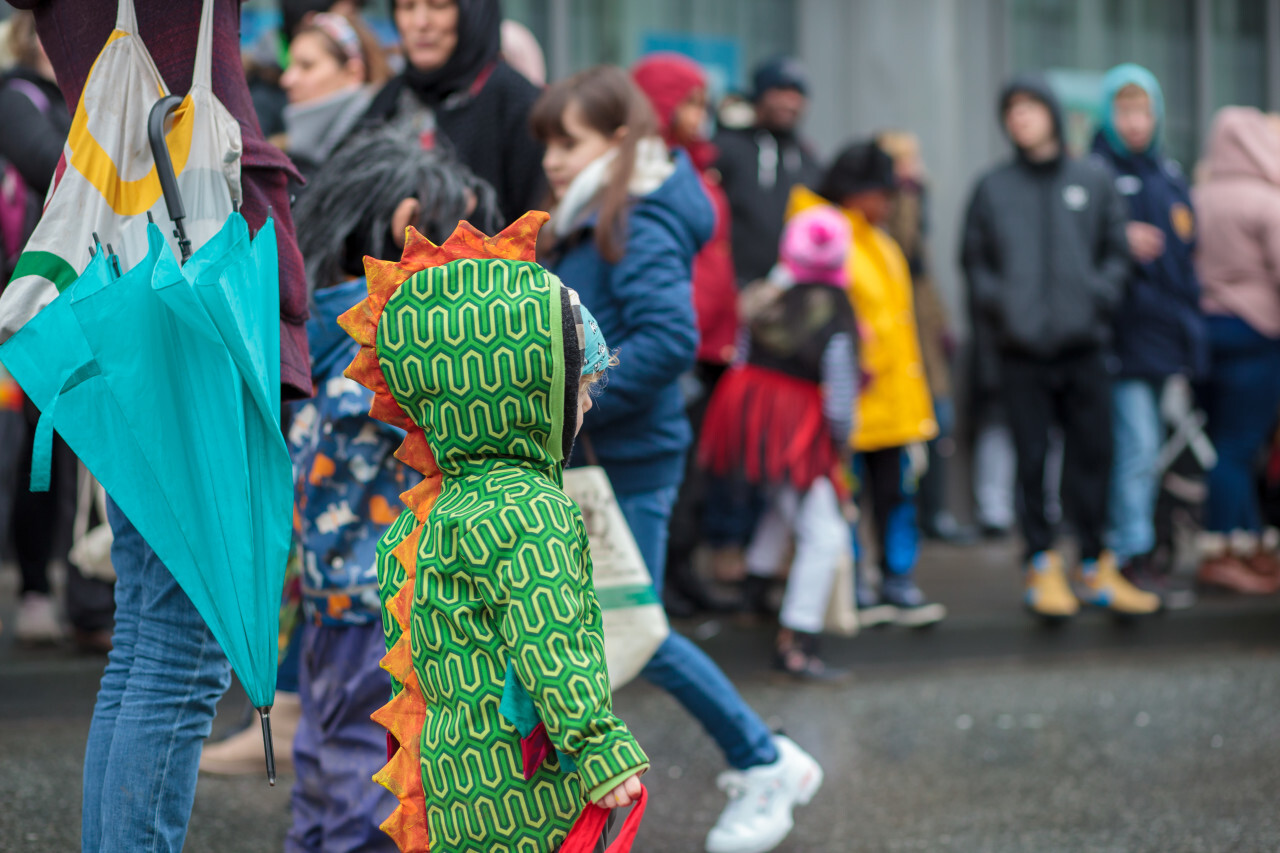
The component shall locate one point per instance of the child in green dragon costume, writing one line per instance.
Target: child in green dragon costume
(502, 722)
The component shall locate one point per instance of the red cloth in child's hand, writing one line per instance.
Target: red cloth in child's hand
(586, 833)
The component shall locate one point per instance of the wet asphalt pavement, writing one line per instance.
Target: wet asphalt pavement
(987, 734)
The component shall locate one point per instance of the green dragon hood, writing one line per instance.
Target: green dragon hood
(474, 352)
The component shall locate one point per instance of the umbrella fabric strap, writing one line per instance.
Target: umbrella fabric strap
(42, 452)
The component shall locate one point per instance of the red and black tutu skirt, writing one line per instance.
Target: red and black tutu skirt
(769, 428)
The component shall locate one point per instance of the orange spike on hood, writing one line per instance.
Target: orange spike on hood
(518, 241)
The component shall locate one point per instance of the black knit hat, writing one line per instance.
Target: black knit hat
(781, 72)
(861, 167)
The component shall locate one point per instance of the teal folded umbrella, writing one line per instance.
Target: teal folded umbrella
(165, 382)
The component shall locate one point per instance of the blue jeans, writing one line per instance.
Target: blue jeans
(338, 748)
(155, 707)
(1240, 397)
(1136, 431)
(681, 668)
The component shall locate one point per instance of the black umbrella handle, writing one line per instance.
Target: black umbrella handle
(265, 714)
(164, 169)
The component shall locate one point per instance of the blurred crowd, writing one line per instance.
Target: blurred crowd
(792, 396)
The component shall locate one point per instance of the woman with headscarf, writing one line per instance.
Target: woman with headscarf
(457, 91)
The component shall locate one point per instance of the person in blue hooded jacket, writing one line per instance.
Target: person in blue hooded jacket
(1158, 329)
(627, 220)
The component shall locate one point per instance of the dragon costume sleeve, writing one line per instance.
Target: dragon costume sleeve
(550, 622)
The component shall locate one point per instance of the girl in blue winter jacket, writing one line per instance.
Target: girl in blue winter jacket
(627, 219)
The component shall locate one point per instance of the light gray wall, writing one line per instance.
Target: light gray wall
(929, 66)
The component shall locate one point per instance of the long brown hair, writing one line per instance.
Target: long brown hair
(608, 101)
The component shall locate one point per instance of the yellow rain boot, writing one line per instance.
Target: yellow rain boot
(1102, 585)
(1048, 593)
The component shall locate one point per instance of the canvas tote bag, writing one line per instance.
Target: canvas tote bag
(91, 546)
(635, 623)
(106, 181)
(842, 615)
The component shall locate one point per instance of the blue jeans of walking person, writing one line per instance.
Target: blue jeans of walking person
(1136, 430)
(155, 707)
(1241, 398)
(680, 667)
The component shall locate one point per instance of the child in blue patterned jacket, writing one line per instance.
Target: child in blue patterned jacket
(348, 482)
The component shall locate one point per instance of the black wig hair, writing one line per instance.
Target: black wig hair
(345, 213)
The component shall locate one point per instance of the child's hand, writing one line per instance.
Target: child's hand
(623, 795)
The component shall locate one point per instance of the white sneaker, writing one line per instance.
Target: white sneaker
(38, 620)
(758, 816)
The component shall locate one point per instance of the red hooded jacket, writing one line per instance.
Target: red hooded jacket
(667, 79)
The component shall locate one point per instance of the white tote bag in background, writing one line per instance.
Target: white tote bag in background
(635, 623)
(842, 615)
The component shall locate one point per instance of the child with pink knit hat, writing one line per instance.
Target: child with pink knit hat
(781, 419)
(815, 247)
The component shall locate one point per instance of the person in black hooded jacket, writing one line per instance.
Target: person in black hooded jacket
(457, 91)
(759, 165)
(1046, 257)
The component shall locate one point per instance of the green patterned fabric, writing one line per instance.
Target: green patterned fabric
(392, 577)
(472, 351)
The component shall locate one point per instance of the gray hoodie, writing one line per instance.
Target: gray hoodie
(1044, 250)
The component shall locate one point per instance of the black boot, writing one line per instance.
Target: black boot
(687, 595)
(755, 596)
(798, 657)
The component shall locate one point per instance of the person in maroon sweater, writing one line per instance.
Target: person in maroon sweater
(165, 672)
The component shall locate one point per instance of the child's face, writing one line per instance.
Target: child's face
(873, 204)
(689, 117)
(1133, 117)
(568, 155)
(584, 399)
(1028, 121)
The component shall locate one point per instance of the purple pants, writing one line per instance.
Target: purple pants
(336, 804)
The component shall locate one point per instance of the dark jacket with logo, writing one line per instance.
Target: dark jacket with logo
(757, 169)
(1044, 251)
(1159, 330)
